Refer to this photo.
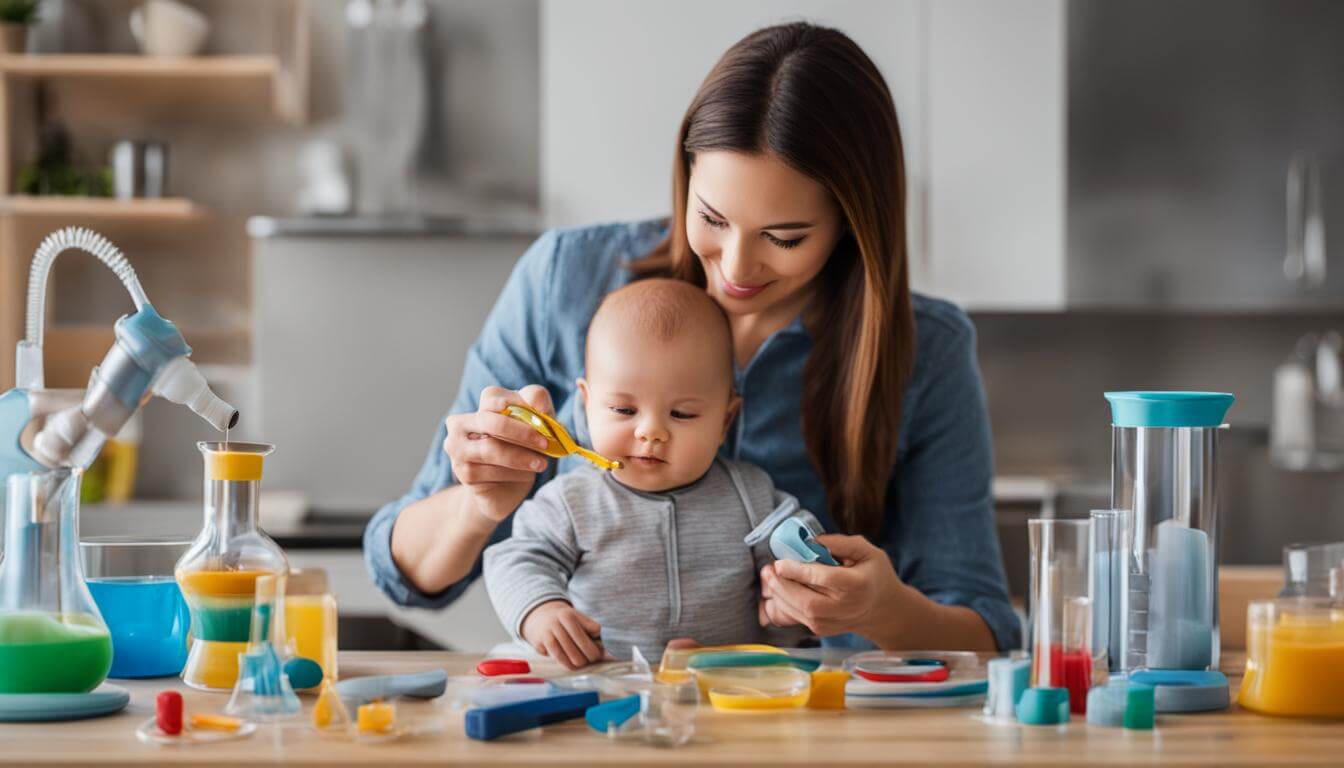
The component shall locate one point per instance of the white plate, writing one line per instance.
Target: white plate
(149, 733)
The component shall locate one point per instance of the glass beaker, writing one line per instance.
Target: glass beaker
(1061, 607)
(218, 574)
(1164, 457)
(1110, 529)
(131, 580)
(311, 619)
(1294, 657)
(52, 638)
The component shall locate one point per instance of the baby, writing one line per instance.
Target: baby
(608, 561)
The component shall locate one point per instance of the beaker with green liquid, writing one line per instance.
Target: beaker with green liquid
(52, 638)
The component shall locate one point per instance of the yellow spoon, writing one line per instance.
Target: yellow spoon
(558, 442)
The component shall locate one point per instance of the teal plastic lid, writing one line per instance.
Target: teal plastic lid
(1169, 409)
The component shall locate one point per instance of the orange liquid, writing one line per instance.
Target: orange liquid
(220, 583)
(1295, 668)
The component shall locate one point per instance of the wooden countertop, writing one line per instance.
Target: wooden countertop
(804, 737)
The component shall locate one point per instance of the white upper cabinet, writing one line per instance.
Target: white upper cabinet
(978, 85)
(996, 153)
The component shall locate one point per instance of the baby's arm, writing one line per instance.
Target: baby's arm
(526, 577)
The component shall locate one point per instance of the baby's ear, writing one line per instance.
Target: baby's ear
(734, 405)
(582, 384)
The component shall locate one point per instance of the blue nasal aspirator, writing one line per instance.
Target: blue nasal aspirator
(792, 540)
(486, 723)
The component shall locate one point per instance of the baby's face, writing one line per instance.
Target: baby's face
(658, 406)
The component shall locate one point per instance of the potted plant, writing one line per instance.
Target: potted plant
(15, 16)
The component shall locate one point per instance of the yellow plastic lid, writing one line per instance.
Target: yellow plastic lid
(233, 465)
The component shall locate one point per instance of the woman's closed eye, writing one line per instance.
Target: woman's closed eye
(711, 221)
(785, 244)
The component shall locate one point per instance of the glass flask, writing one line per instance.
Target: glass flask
(218, 574)
(52, 638)
(131, 580)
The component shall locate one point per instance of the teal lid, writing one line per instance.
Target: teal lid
(1169, 409)
(1043, 706)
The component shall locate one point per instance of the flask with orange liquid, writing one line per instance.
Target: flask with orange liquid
(218, 574)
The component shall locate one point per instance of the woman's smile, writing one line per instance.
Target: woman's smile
(740, 290)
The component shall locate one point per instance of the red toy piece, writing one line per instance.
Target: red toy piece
(497, 667)
(168, 712)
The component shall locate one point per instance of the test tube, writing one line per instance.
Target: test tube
(1061, 607)
(1109, 581)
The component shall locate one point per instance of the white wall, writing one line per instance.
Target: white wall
(996, 148)
(617, 78)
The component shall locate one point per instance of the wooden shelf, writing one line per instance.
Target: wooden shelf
(102, 208)
(236, 87)
(120, 66)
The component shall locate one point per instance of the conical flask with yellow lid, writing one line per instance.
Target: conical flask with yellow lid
(218, 574)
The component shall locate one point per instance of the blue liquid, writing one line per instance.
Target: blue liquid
(148, 620)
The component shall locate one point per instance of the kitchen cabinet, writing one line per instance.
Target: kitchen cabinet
(1184, 120)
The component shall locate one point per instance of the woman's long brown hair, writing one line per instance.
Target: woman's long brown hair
(811, 97)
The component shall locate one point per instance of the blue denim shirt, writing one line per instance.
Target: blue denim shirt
(939, 527)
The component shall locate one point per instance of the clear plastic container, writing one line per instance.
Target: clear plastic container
(1294, 658)
(131, 580)
(218, 574)
(732, 689)
(52, 637)
(1061, 607)
(1164, 461)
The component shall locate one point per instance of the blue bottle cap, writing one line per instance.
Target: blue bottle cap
(1169, 409)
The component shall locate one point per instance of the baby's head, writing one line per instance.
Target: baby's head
(659, 385)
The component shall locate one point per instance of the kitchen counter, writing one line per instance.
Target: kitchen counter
(803, 737)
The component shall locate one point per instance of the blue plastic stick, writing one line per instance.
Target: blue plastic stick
(603, 716)
(489, 723)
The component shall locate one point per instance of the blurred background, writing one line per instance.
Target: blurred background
(327, 196)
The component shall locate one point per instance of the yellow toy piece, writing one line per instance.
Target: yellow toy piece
(828, 689)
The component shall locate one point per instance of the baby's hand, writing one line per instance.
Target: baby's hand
(555, 629)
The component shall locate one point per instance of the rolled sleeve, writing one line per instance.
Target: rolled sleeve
(942, 537)
(511, 352)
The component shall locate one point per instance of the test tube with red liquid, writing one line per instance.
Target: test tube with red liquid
(1061, 607)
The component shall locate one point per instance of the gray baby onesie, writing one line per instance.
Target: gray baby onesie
(648, 567)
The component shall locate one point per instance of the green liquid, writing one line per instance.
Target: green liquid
(48, 653)
(222, 623)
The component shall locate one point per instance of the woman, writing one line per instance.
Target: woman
(859, 398)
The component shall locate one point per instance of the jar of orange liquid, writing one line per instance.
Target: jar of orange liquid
(1294, 658)
(310, 619)
(218, 574)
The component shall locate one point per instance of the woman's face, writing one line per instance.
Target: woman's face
(761, 230)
